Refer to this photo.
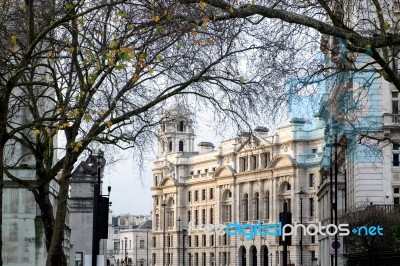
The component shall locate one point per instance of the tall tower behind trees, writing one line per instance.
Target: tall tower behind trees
(176, 132)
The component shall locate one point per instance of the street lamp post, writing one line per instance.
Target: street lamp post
(163, 257)
(126, 253)
(96, 197)
(336, 144)
(136, 250)
(147, 246)
(301, 193)
(183, 238)
(215, 247)
(179, 229)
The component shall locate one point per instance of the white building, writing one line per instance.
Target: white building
(135, 247)
(245, 179)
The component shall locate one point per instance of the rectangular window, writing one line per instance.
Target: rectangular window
(253, 162)
(189, 216)
(396, 152)
(190, 196)
(204, 240)
(203, 216)
(198, 172)
(203, 194)
(395, 112)
(314, 150)
(206, 170)
(212, 240)
(396, 190)
(196, 217)
(154, 259)
(78, 259)
(204, 259)
(196, 241)
(242, 164)
(196, 259)
(211, 193)
(141, 244)
(154, 242)
(211, 216)
(311, 201)
(190, 241)
(395, 107)
(311, 180)
(196, 195)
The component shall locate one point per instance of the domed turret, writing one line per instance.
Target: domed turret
(176, 132)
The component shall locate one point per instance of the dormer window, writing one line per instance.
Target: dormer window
(180, 128)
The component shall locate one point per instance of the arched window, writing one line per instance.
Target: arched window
(226, 206)
(245, 206)
(181, 126)
(266, 205)
(181, 145)
(256, 202)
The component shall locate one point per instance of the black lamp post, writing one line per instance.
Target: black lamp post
(163, 257)
(336, 144)
(301, 193)
(147, 246)
(96, 197)
(126, 253)
(136, 250)
(215, 247)
(183, 238)
(179, 229)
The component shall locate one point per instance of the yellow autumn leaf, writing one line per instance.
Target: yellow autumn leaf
(136, 77)
(109, 123)
(203, 5)
(36, 131)
(14, 39)
(156, 18)
(71, 49)
(113, 44)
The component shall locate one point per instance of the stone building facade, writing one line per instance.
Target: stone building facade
(245, 180)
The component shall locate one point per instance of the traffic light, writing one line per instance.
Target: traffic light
(102, 217)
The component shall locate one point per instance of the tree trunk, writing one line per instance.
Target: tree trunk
(56, 255)
(46, 208)
(1, 194)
